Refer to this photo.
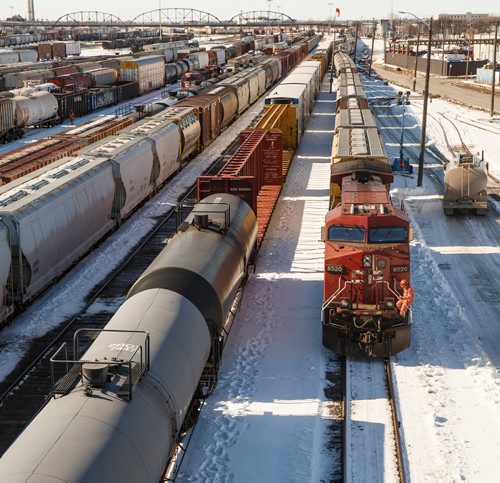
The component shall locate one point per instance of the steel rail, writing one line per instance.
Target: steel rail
(396, 423)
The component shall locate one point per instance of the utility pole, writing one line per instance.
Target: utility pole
(468, 53)
(443, 70)
(373, 45)
(416, 59)
(356, 42)
(424, 113)
(385, 46)
(492, 109)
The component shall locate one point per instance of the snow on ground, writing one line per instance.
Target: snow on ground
(266, 419)
(448, 381)
(67, 296)
(478, 130)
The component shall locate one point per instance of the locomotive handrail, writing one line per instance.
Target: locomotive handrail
(334, 295)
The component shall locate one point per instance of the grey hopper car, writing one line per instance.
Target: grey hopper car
(53, 219)
(164, 335)
(465, 185)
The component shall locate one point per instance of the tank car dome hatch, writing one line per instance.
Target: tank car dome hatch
(201, 220)
(96, 375)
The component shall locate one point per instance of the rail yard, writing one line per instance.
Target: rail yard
(216, 264)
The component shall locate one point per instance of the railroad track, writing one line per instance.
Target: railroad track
(396, 422)
(27, 389)
(380, 376)
(463, 148)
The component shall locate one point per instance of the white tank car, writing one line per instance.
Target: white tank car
(36, 109)
(465, 185)
(118, 412)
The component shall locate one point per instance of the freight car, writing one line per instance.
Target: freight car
(300, 90)
(19, 112)
(142, 375)
(465, 186)
(357, 144)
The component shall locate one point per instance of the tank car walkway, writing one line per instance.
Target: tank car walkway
(266, 420)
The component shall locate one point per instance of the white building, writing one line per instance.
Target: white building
(463, 17)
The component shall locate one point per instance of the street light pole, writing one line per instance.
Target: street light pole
(492, 108)
(424, 113)
(416, 59)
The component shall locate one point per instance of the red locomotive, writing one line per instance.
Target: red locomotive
(366, 257)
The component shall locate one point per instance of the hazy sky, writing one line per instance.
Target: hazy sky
(225, 9)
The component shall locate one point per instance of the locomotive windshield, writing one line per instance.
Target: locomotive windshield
(346, 233)
(387, 234)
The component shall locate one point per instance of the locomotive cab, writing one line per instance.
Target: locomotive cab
(366, 256)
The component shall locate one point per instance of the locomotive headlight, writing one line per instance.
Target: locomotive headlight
(390, 304)
(344, 303)
(381, 263)
(367, 261)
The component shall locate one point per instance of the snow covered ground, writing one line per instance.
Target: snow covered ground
(267, 418)
(448, 381)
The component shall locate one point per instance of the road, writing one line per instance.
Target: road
(442, 87)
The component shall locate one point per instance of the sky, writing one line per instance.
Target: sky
(225, 9)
